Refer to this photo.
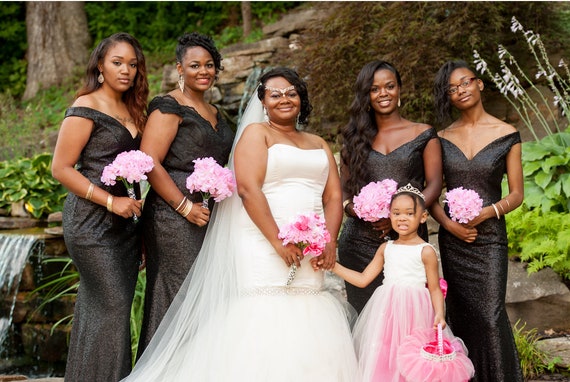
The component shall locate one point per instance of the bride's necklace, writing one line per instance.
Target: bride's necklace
(124, 120)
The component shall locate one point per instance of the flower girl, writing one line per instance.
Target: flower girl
(402, 305)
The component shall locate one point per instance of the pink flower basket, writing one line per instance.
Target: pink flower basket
(423, 358)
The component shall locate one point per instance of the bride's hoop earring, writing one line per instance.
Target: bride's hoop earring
(399, 102)
(181, 83)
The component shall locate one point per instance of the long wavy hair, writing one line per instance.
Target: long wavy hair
(300, 86)
(136, 97)
(191, 40)
(442, 102)
(359, 133)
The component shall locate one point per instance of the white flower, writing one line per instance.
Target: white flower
(501, 51)
(539, 74)
(515, 25)
(556, 100)
(561, 63)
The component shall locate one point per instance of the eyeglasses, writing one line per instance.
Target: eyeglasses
(454, 88)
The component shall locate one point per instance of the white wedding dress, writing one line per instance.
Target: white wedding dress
(236, 320)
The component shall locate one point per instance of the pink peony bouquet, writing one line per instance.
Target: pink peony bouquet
(128, 167)
(307, 231)
(464, 204)
(211, 180)
(373, 201)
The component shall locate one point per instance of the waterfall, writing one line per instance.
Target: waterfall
(14, 252)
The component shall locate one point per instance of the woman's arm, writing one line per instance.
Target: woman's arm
(158, 135)
(250, 161)
(73, 135)
(429, 258)
(433, 171)
(332, 205)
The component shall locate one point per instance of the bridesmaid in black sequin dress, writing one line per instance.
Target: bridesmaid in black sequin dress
(101, 237)
(182, 126)
(478, 149)
(379, 144)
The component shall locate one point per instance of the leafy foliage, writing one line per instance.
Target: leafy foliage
(546, 167)
(14, 44)
(534, 361)
(417, 37)
(542, 239)
(30, 179)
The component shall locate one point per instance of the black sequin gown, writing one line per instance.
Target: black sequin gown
(476, 272)
(172, 243)
(105, 248)
(358, 242)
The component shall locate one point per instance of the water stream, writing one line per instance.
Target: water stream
(15, 249)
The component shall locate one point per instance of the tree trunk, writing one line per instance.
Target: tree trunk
(246, 17)
(58, 40)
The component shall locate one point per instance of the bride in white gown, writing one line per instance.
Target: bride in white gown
(235, 319)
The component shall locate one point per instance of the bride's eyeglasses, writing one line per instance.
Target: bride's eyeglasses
(455, 88)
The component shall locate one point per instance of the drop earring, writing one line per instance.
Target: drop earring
(100, 78)
(265, 116)
(181, 83)
(399, 102)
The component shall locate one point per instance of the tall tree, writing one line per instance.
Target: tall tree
(246, 17)
(58, 40)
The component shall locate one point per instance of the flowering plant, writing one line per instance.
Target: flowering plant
(128, 167)
(211, 180)
(464, 204)
(308, 232)
(373, 201)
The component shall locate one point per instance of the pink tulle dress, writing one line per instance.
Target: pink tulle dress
(400, 307)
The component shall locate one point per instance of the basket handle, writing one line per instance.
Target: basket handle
(439, 340)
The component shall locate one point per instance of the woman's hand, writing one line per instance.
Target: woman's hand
(383, 225)
(290, 253)
(463, 232)
(126, 207)
(198, 215)
(328, 258)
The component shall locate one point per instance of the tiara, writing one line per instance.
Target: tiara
(411, 189)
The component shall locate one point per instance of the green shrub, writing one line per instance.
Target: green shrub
(534, 362)
(30, 180)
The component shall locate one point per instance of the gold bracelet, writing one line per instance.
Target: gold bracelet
(110, 203)
(496, 211)
(90, 191)
(181, 203)
(508, 204)
(187, 208)
(501, 206)
(346, 203)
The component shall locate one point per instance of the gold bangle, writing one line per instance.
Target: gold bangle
(346, 203)
(89, 193)
(110, 203)
(181, 203)
(508, 204)
(501, 206)
(187, 208)
(496, 211)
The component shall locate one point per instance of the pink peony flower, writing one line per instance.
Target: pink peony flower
(211, 179)
(464, 204)
(128, 166)
(373, 201)
(307, 231)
